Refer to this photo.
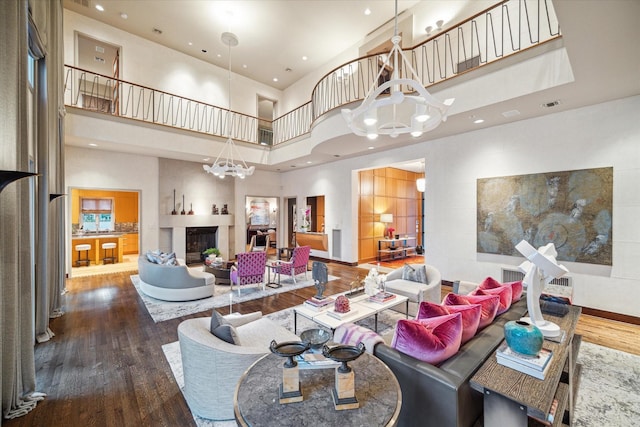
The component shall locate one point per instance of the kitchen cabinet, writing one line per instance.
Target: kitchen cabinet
(130, 243)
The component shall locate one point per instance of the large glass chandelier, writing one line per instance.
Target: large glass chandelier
(387, 110)
(224, 165)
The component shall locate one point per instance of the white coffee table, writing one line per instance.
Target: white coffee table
(361, 308)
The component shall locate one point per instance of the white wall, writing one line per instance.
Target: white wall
(150, 64)
(598, 136)
(92, 168)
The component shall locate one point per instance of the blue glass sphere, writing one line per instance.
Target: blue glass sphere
(523, 337)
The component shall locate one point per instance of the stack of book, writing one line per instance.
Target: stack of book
(317, 304)
(340, 316)
(536, 366)
(315, 361)
(551, 416)
(562, 294)
(382, 297)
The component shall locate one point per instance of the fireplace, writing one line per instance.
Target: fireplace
(197, 240)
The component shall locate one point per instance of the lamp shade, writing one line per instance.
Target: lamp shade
(386, 218)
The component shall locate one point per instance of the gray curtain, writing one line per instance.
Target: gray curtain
(18, 212)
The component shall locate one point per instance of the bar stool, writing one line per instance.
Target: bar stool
(109, 259)
(85, 247)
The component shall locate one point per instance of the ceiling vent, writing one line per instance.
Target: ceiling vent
(84, 3)
(511, 113)
(99, 49)
(98, 59)
(550, 104)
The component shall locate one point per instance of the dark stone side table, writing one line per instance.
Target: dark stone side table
(256, 401)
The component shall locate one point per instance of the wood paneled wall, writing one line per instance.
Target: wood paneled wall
(386, 190)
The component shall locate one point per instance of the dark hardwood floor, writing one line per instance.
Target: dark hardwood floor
(105, 366)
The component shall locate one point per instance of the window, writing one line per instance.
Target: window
(96, 214)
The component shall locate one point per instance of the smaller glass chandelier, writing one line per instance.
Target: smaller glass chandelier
(395, 113)
(224, 164)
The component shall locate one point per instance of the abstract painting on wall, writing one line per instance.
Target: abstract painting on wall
(571, 209)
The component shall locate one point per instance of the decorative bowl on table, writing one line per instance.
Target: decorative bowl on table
(315, 337)
(343, 354)
(289, 349)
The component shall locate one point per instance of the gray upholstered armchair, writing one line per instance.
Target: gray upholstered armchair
(415, 291)
(212, 367)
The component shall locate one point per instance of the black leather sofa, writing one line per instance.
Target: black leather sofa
(440, 396)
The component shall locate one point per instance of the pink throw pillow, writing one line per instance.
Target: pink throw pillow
(489, 305)
(470, 316)
(504, 292)
(516, 287)
(431, 340)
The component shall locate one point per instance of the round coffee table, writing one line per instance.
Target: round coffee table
(222, 272)
(256, 401)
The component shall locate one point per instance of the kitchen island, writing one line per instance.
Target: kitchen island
(96, 240)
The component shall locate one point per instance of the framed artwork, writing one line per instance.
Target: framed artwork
(571, 209)
(259, 213)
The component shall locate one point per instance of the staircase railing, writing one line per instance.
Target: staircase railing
(509, 27)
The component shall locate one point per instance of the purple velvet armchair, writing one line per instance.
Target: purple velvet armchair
(297, 264)
(249, 269)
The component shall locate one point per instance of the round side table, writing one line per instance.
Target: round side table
(256, 400)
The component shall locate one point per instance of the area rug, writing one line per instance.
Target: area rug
(165, 310)
(609, 386)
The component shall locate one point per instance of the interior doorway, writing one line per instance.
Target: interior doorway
(266, 114)
(98, 216)
(100, 57)
(291, 221)
(97, 56)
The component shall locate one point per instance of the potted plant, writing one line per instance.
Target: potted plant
(209, 255)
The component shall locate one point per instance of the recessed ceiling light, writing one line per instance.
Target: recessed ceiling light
(275, 79)
(219, 55)
(244, 65)
(93, 145)
(100, 8)
(367, 11)
(371, 148)
(190, 43)
(124, 15)
(478, 121)
(206, 159)
(309, 162)
(304, 58)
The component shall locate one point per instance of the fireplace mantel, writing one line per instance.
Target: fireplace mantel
(169, 221)
(179, 224)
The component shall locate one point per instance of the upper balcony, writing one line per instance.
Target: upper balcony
(495, 34)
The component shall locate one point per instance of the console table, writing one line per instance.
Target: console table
(511, 397)
(396, 248)
(377, 390)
